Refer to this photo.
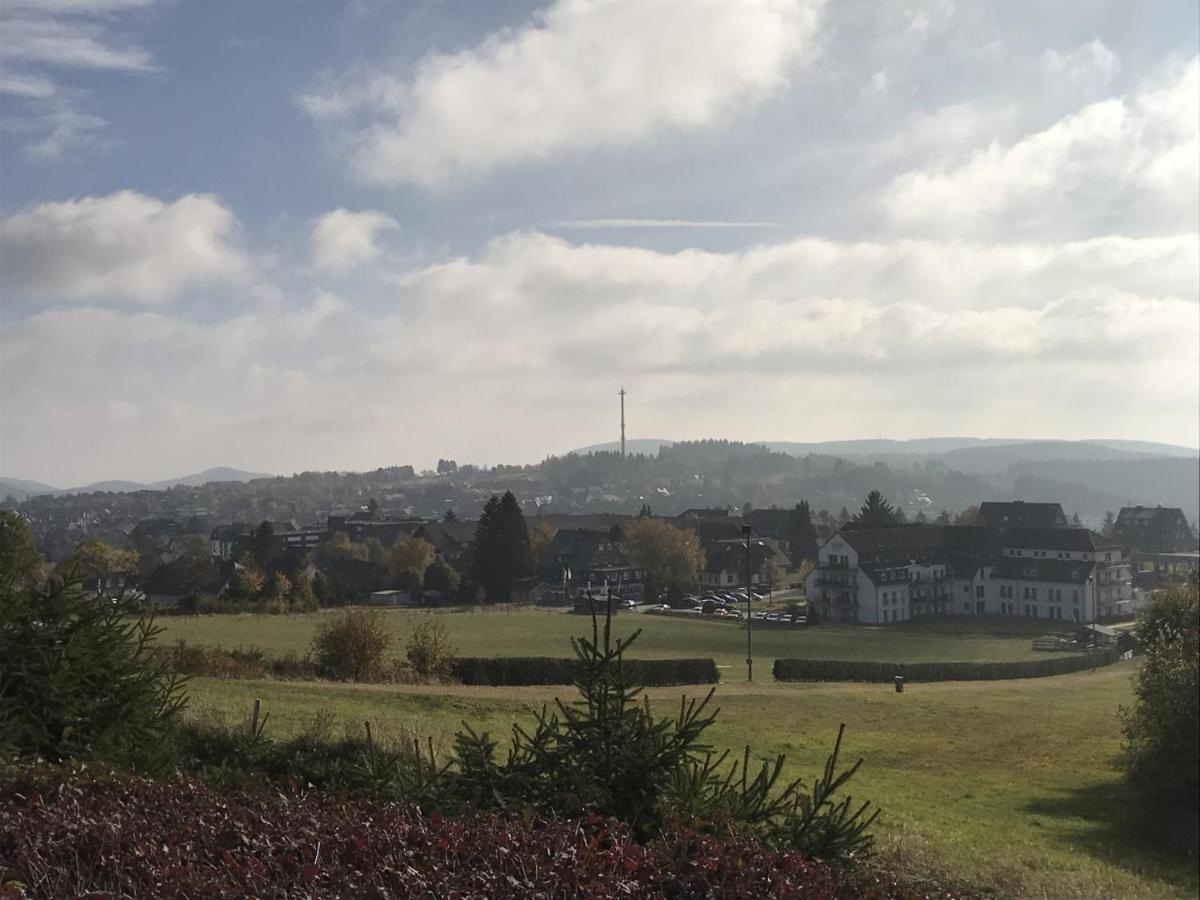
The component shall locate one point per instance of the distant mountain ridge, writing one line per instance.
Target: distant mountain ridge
(22, 489)
(1020, 449)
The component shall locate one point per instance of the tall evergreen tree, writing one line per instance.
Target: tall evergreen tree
(875, 513)
(802, 535)
(502, 551)
(1110, 522)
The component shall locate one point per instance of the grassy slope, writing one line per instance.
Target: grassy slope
(1007, 781)
(540, 633)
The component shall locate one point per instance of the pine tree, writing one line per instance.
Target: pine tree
(1110, 523)
(502, 551)
(802, 536)
(875, 513)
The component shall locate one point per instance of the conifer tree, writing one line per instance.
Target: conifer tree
(876, 513)
(802, 536)
(502, 551)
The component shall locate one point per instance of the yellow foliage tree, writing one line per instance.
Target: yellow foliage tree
(412, 555)
(671, 556)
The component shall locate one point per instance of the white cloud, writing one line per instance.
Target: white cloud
(65, 129)
(655, 223)
(30, 86)
(69, 44)
(1122, 165)
(342, 239)
(1091, 65)
(123, 247)
(53, 35)
(859, 337)
(72, 7)
(584, 75)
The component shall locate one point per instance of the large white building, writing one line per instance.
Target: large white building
(885, 575)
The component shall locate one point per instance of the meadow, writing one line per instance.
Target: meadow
(1012, 785)
(534, 632)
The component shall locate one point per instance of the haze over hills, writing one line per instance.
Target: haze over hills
(991, 451)
(21, 489)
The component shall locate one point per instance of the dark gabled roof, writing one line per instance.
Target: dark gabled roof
(768, 521)
(448, 534)
(582, 550)
(1062, 571)
(1147, 514)
(1007, 514)
(731, 556)
(1074, 539)
(602, 523)
(896, 539)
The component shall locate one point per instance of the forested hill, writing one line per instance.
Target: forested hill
(679, 476)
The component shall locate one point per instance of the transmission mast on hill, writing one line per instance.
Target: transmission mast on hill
(622, 395)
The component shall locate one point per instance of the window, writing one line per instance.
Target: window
(978, 591)
(1034, 594)
(1074, 596)
(1026, 595)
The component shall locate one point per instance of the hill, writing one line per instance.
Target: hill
(21, 489)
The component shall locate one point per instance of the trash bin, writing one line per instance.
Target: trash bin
(899, 682)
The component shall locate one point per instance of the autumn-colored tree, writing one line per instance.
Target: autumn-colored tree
(540, 536)
(246, 582)
(339, 546)
(772, 574)
(969, 516)
(411, 555)
(671, 556)
(92, 559)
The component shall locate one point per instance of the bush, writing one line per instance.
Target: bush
(857, 670)
(429, 651)
(352, 645)
(519, 670)
(1162, 729)
(133, 838)
(78, 679)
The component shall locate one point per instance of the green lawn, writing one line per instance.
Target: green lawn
(527, 632)
(1008, 782)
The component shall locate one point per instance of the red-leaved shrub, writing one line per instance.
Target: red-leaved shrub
(67, 833)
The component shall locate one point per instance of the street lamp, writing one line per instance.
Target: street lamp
(749, 616)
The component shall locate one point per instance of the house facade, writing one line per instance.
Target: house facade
(887, 575)
(1157, 529)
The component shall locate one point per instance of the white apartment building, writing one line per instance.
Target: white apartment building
(886, 575)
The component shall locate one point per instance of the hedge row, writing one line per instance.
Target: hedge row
(839, 670)
(516, 670)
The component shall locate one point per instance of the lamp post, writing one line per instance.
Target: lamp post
(749, 615)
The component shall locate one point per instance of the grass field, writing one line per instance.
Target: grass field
(1009, 783)
(527, 632)
(1012, 784)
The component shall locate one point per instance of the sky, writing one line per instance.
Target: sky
(285, 235)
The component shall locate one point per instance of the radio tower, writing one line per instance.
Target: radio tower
(622, 394)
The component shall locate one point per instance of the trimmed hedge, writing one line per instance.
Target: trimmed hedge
(839, 670)
(518, 670)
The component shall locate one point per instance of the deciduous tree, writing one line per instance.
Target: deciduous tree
(671, 556)
(411, 555)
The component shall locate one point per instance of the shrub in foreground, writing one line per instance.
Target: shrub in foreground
(1162, 729)
(77, 678)
(132, 837)
(352, 645)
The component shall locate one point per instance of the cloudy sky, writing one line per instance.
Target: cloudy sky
(297, 234)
